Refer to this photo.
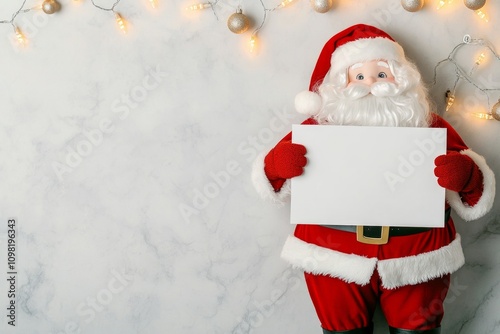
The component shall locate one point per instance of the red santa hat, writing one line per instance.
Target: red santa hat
(356, 44)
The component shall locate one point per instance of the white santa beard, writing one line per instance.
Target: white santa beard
(403, 110)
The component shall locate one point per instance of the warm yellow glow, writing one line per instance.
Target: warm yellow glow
(253, 43)
(482, 15)
(285, 3)
(21, 39)
(442, 3)
(153, 3)
(482, 115)
(198, 6)
(122, 24)
(480, 59)
(450, 99)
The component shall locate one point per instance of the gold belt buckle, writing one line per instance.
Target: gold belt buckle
(384, 236)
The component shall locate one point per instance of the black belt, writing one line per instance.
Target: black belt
(374, 234)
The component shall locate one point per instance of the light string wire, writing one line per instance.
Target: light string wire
(462, 74)
(15, 14)
(112, 9)
(264, 17)
(212, 7)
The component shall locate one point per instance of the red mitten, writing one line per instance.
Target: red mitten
(457, 172)
(285, 161)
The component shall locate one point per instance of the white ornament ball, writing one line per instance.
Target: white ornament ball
(308, 103)
(474, 4)
(322, 6)
(50, 6)
(495, 111)
(238, 22)
(412, 5)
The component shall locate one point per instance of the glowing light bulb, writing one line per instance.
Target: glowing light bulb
(21, 39)
(121, 23)
(480, 59)
(199, 6)
(285, 3)
(442, 3)
(450, 99)
(153, 3)
(483, 115)
(253, 43)
(482, 15)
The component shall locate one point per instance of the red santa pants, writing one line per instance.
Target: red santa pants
(345, 306)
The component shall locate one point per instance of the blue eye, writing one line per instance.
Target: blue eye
(382, 75)
(360, 77)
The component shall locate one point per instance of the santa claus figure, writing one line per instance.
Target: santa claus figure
(363, 78)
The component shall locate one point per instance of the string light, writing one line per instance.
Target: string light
(153, 3)
(121, 23)
(285, 3)
(474, 6)
(442, 3)
(21, 39)
(450, 99)
(480, 59)
(462, 74)
(199, 6)
(51, 6)
(253, 43)
(482, 15)
(483, 115)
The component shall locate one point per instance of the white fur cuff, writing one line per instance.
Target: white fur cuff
(264, 187)
(485, 203)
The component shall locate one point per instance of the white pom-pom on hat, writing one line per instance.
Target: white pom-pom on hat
(308, 103)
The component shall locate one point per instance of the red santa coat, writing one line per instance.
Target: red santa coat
(403, 260)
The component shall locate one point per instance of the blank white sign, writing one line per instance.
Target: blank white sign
(373, 176)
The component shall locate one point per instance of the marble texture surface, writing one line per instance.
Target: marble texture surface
(126, 161)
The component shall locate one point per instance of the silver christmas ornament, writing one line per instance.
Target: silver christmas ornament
(412, 5)
(50, 6)
(321, 6)
(474, 4)
(238, 22)
(495, 111)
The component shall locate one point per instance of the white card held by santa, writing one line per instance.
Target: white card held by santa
(363, 78)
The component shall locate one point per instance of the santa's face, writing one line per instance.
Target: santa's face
(370, 72)
(375, 93)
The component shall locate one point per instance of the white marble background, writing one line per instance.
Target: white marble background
(105, 138)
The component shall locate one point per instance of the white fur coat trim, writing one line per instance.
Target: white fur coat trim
(485, 203)
(359, 269)
(323, 261)
(422, 267)
(264, 187)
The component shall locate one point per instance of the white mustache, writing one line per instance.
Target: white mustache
(356, 90)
